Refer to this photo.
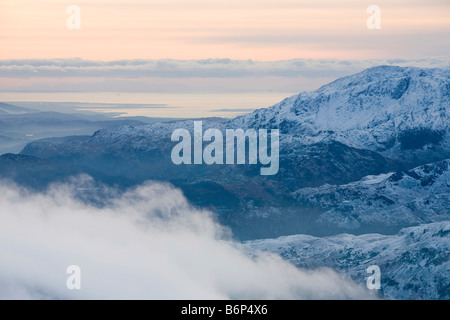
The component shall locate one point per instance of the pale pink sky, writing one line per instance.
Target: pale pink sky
(236, 29)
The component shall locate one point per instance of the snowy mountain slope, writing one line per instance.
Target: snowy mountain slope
(420, 195)
(399, 112)
(414, 264)
(386, 109)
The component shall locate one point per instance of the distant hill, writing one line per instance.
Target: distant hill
(18, 129)
(12, 109)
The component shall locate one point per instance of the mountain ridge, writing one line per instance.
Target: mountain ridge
(377, 109)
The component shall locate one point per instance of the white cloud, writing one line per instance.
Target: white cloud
(146, 243)
(206, 68)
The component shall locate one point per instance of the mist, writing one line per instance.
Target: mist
(145, 243)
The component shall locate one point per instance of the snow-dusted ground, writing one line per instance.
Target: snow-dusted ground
(414, 264)
(420, 195)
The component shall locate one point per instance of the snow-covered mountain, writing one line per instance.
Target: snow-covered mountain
(385, 109)
(401, 113)
(392, 110)
(393, 200)
(414, 264)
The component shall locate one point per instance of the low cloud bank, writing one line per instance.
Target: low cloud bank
(206, 68)
(169, 75)
(147, 243)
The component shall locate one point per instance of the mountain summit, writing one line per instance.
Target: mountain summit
(387, 109)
